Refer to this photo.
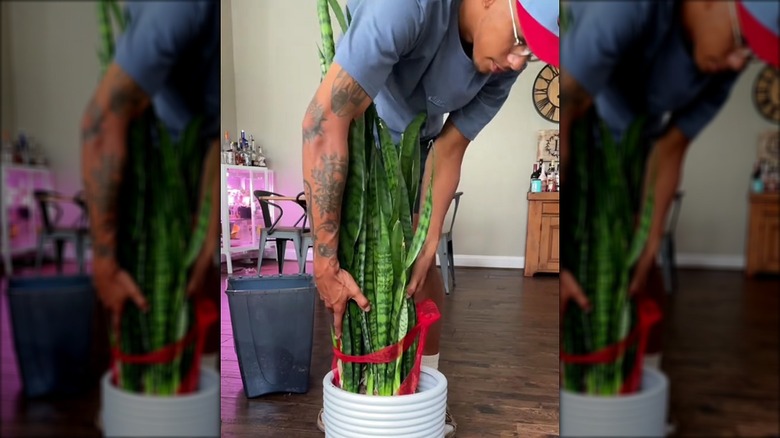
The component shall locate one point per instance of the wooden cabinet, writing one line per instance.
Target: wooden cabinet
(542, 249)
(763, 243)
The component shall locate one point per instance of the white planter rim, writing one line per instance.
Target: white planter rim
(380, 412)
(205, 373)
(441, 384)
(660, 384)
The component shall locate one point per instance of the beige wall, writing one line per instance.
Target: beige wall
(276, 73)
(53, 71)
(713, 218)
(6, 77)
(228, 84)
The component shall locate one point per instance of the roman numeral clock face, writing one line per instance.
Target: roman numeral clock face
(545, 93)
(766, 94)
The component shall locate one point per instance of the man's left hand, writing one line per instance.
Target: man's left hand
(641, 271)
(421, 267)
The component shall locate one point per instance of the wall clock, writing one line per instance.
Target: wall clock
(545, 93)
(766, 94)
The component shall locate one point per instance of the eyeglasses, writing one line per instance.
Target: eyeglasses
(518, 41)
(740, 44)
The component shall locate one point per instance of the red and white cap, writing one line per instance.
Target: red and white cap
(759, 22)
(539, 24)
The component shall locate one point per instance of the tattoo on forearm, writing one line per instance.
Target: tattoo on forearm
(106, 182)
(94, 122)
(329, 178)
(102, 190)
(307, 197)
(346, 95)
(127, 98)
(315, 116)
(324, 249)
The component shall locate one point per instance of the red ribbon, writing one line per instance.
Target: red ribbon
(648, 315)
(206, 314)
(427, 314)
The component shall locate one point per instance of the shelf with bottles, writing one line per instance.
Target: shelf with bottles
(765, 177)
(22, 151)
(545, 177)
(243, 151)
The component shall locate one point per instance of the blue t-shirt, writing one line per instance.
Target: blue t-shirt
(635, 59)
(172, 50)
(408, 56)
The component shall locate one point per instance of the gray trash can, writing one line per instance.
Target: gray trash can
(273, 329)
(51, 320)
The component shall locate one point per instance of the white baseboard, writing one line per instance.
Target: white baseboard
(474, 261)
(478, 261)
(684, 260)
(711, 261)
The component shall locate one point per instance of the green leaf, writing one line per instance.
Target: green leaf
(328, 47)
(410, 156)
(354, 193)
(336, 8)
(422, 226)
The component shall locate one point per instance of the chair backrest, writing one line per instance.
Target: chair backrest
(455, 198)
(674, 212)
(80, 200)
(47, 204)
(300, 199)
(265, 205)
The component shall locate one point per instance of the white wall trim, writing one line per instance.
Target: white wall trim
(711, 261)
(479, 261)
(474, 261)
(684, 260)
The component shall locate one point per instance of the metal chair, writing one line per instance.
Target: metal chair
(445, 253)
(50, 204)
(281, 235)
(307, 237)
(667, 249)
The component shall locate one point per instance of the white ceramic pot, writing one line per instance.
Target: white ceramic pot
(419, 415)
(193, 415)
(642, 414)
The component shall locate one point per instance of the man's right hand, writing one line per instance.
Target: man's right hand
(336, 287)
(115, 286)
(571, 290)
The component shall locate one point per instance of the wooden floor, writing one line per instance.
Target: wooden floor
(721, 357)
(499, 352)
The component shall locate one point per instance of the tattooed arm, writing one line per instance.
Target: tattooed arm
(338, 101)
(104, 126)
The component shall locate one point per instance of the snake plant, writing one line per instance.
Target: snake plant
(156, 240)
(377, 244)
